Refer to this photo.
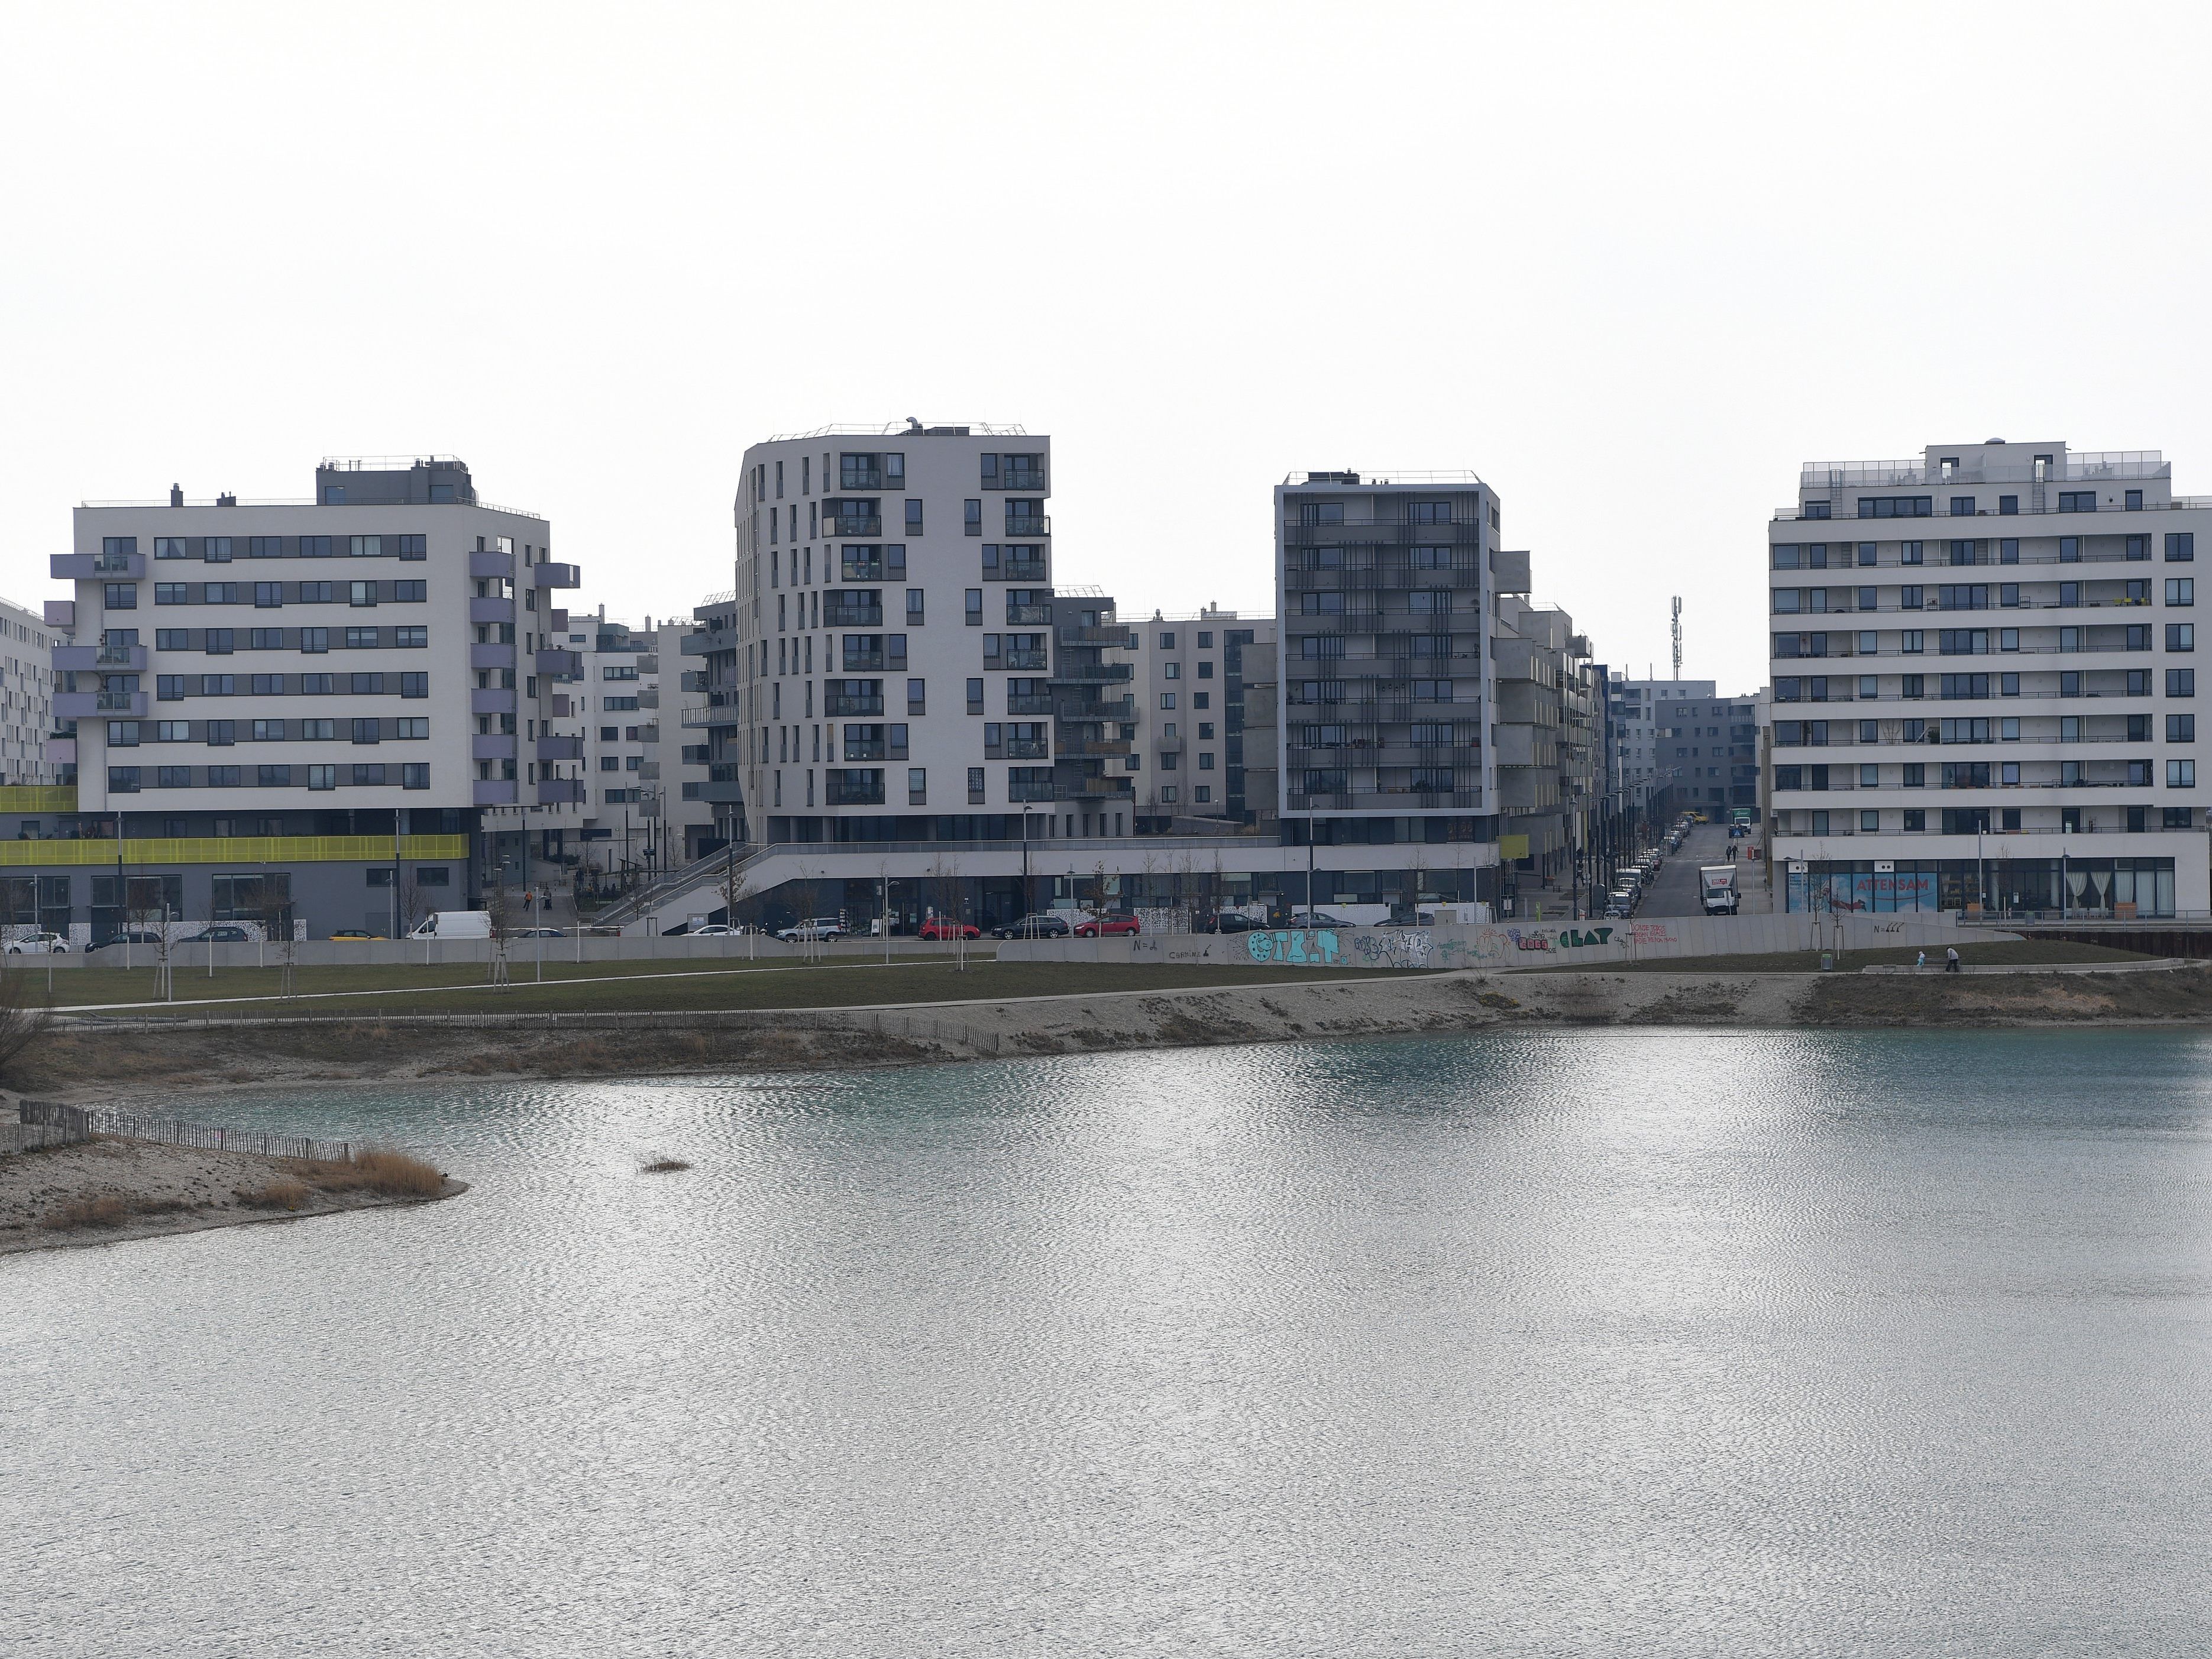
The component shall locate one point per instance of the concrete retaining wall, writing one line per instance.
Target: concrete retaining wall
(1506, 946)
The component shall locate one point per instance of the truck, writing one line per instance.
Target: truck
(1716, 884)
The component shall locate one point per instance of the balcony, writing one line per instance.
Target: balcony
(496, 792)
(1020, 662)
(648, 696)
(838, 706)
(490, 566)
(703, 643)
(491, 611)
(1020, 570)
(1027, 526)
(97, 567)
(728, 792)
(1092, 673)
(1020, 705)
(1102, 708)
(1114, 638)
(1109, 788)
(60, 751)
(559, 749)
(491, 700)
(61, 613)
(559, 792)
(1174, 745)
(557, 662)
(491, 656)
(94, 705)
(851, 611)
(556, 575)
(1035, 615)
(861, 529)
(115, 659)
(1094, 748)
(492, 746)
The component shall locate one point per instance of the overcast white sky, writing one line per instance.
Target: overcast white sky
(1631, 262)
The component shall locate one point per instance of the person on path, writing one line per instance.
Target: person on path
(1920, 962)
(1951, 959)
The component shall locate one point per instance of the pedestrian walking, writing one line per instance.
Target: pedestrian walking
(1951, 959)
(1920, 962)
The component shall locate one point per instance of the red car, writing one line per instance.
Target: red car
(1107, 926)
(945, 927)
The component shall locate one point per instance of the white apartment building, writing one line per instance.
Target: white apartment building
(26, 697)
(1187, 759)
(1985, 683)
(894, 590)
(311, 675)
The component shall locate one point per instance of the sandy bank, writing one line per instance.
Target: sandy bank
(102, 1191)
(401, 1051)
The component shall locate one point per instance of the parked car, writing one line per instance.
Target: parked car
(817, 927)
(1041, 925)
(714, 930)
(541, 932)
(129, 936)
(1113, 922)
(355, 934)
(1318, 918)
(222, 933)
(1233, 922)
(945, 927)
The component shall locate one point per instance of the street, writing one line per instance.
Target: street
(1676, 893)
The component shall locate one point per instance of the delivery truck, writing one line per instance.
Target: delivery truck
(1717, 884)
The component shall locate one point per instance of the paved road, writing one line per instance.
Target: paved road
(1676, 893)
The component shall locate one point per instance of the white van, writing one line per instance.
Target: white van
(455, 924)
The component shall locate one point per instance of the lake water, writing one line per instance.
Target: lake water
(1606, 1342)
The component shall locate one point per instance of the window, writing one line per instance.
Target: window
(367, 684)
(916, 597)
(2181, 547)
(415, 638)
(416, 774)
(314, 547)
(273, 777)
(223, 734)
(368, 773)
(2180, 682)
(368, 729)
(1167, 699)
(2180, 774)
(972, 517)
(221, 641)
(268, 595)
(169, 688)
(975, 697)
(2138, 548)
(314, 640)
(1962, 507)
(2181, 728)
(610, 762)
(218, 685)
(1171, 670)
(268, 731)
(913, 516)
(412, 547)
(322, 777)
(1892, 506)
(2179, 636)
(415, 686)
(122, 734)
(225, 777)
(316, 592)
(361, 639)
(410, 592)
(917, 786)
(365, 547)
(917, 696)
(2077, 500)
(317, 730)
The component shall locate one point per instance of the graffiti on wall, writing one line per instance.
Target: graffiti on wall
(1295, 947)
(1393, 950)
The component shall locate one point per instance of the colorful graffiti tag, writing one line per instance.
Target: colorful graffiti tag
(1318, 950)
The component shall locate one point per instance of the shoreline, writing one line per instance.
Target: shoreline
(83, 1067)
(111, 1191)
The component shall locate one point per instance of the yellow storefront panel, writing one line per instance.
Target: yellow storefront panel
(234, 850)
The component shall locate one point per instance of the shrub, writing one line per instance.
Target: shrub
(103, 1210)
(282, 1194)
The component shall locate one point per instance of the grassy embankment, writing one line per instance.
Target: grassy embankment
(1996, 953)
(638, 987)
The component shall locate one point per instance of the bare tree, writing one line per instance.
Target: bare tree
(497, 909)
(414, 904)
(27, 1018)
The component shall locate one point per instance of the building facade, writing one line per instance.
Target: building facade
(1682, 746)
(1985, 687)
(1190, 758)
(309, 708)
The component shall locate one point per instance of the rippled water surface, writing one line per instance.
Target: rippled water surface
(1597, 1343)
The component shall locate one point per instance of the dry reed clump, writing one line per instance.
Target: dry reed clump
(282, 1194)
(101, 1210)
(662, 1166)
(383, 1170)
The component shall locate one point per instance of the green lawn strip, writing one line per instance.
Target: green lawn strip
(77, 987)
(846, 985)
(2023, 953)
